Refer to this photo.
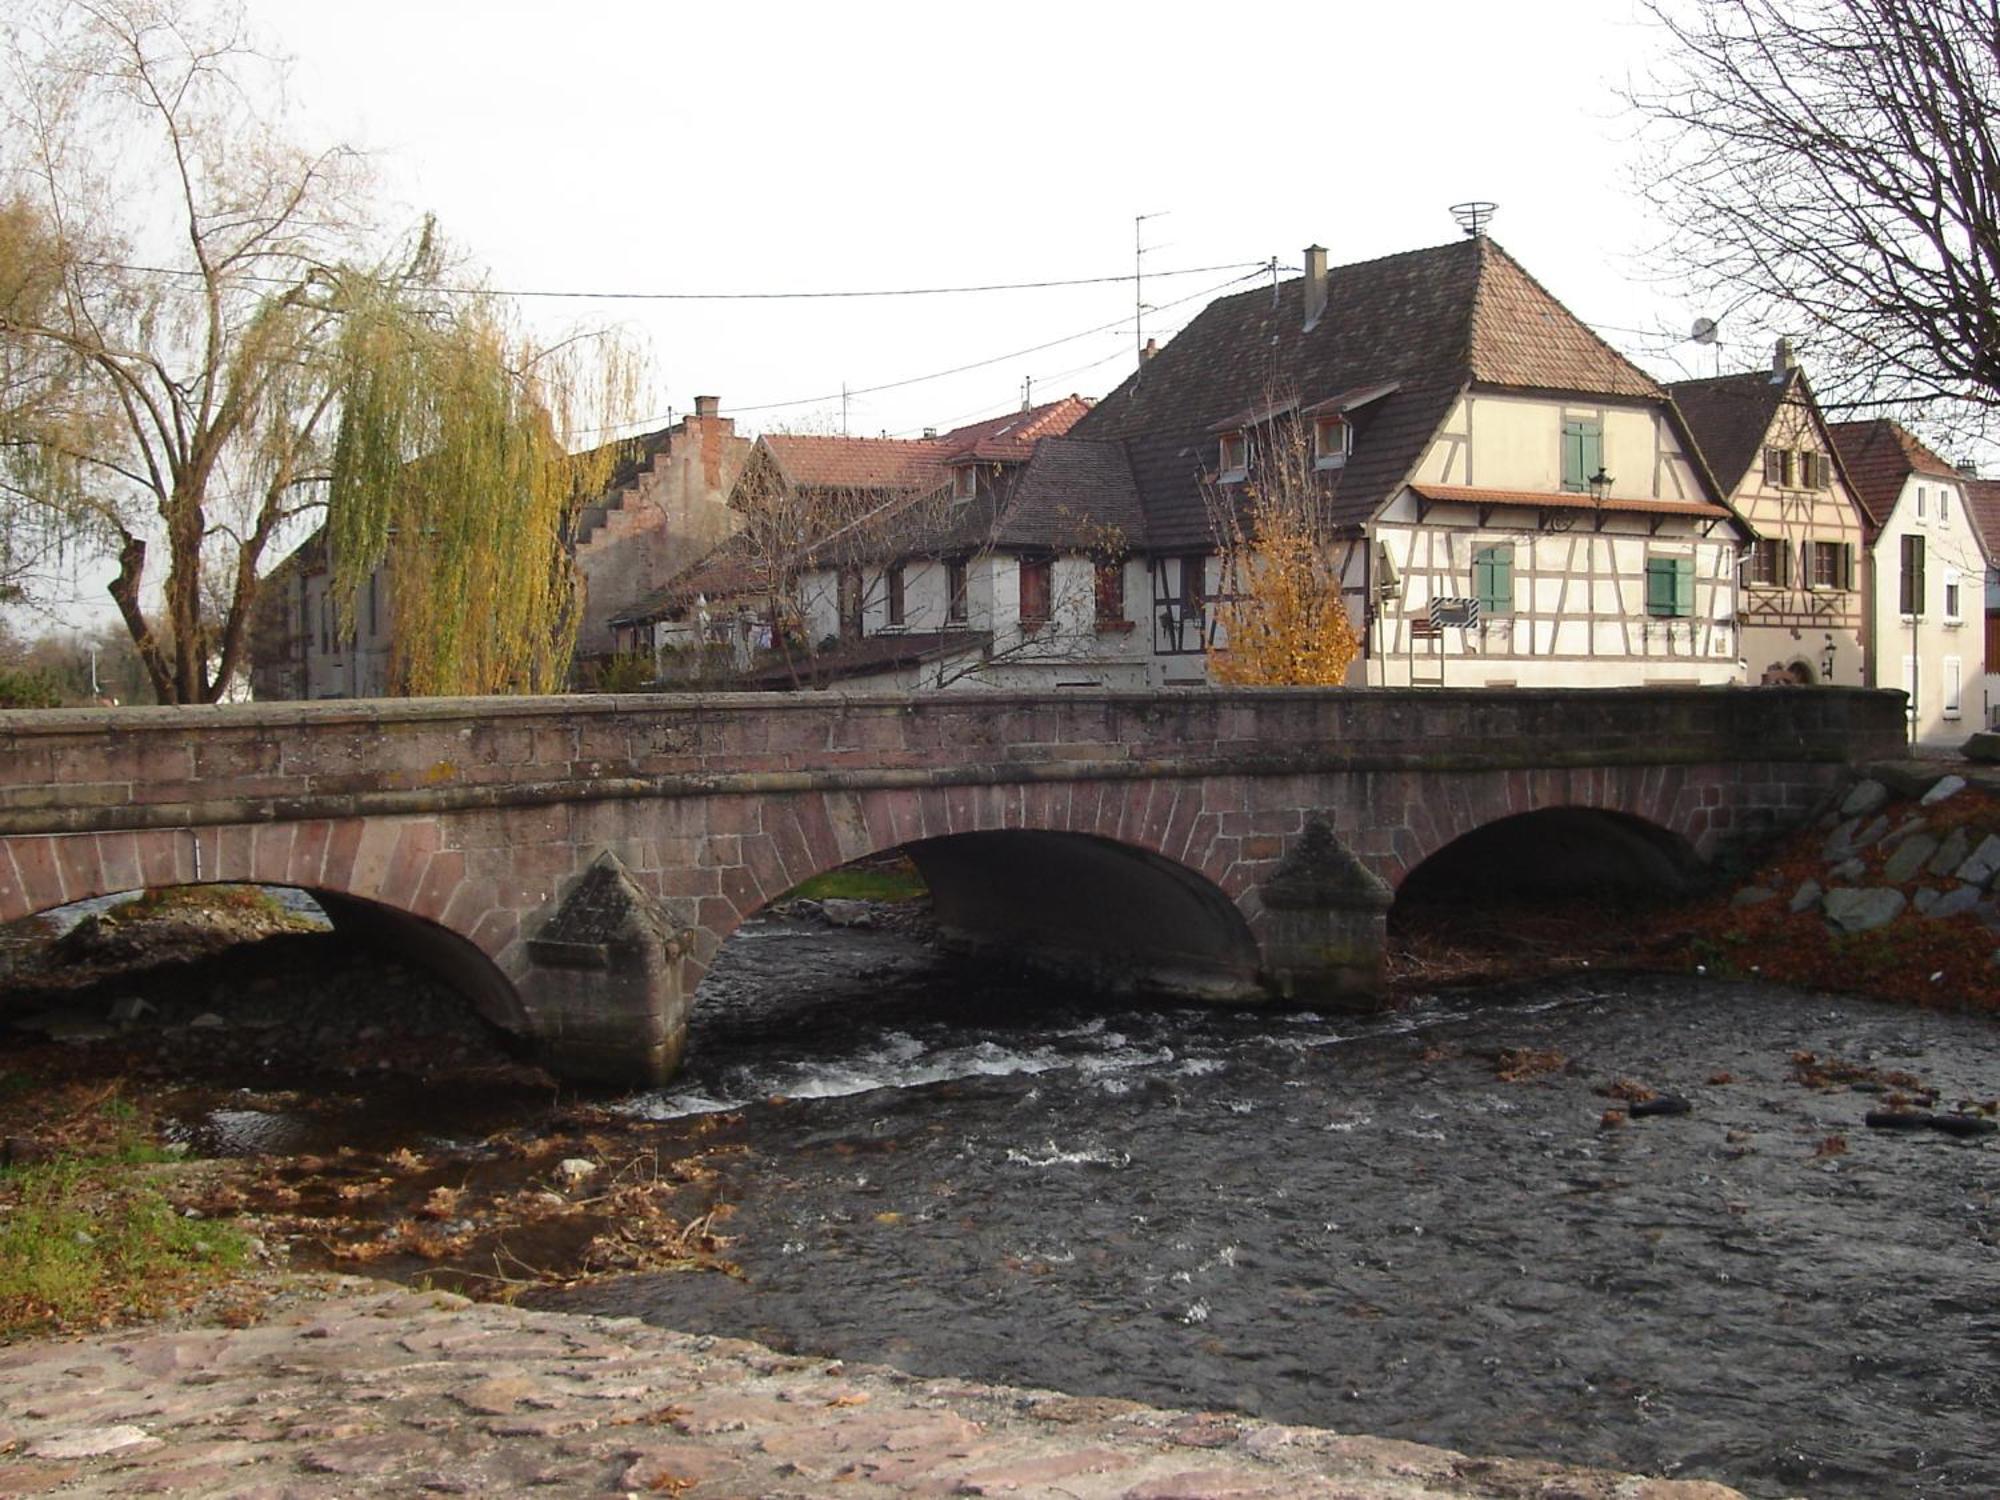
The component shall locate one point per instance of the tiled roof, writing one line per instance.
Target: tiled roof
(1983, 501)
(1429, 323)
(1729, 416)
(1879, 455)
(855, 463)
(1073, 493)
(873, 653)
(1012, 438)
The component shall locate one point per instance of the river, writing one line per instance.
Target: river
(1360, 1223)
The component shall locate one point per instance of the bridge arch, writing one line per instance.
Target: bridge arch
(383, 880)
(1560, 851)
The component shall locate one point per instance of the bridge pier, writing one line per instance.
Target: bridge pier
(1325, 933)
(605, 994)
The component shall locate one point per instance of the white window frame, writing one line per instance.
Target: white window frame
(1325, 457)
(1923, 505)
(965, 482)
(1954, 686)
(1953, 613)
(1239, 441)
(1944, 504)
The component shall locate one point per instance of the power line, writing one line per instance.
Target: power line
(909, 291)
(981, 364)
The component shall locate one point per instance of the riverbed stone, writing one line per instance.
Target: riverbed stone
(1864, 797)
(1946, 788)
(1911, 825)
(1872, 830)
(1847, 869)
(1983, 746)
(1909, 858)
(763, 1423)
(1954, 902)
(1862, 909)
(1840, 843)
(1983, 863)
(1806, 897)
(1924, 898)
(1951, 852)
(93, 1442)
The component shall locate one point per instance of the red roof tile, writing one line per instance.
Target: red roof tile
(1879, 455)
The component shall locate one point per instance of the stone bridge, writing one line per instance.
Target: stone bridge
(573, 864)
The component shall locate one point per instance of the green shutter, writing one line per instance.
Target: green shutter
(1493, 579)
(1582, 451)
(1669, 586)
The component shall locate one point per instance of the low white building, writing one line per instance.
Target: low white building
(1927, 583)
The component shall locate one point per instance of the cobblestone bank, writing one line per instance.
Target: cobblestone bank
(361, 1390)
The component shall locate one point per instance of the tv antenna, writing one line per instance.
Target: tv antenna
(1705, 332)
(1473, 216)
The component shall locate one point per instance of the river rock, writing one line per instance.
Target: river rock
(1896, 835)
(1753, 895)
(1954, 902)
(1983, 746)
(1847, 869)
(1910, 857)
(208, 1020)
(1840, 843)
(1924, 898)
(1981, 865)
(1948, 786)
(1872, 830)
(1951, 852)
(1864, 798)
(1863, 909)
(93, 1442)
(575, 1169)
(1806, 897)
(843, 913)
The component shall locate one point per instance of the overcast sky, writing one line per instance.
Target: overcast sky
(600, 146)
(616, 146)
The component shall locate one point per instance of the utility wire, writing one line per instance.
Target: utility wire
(908, 291)
(1262, 269)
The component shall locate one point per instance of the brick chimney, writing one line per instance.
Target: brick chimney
(1783, 361)
(1146, 354)
(1315, 286)
(707, 406)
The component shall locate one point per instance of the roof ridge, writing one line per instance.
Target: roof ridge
(1490, 247)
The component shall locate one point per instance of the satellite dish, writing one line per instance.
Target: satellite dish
(1704, 331)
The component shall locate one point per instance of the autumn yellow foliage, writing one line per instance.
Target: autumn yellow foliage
(1281, 617)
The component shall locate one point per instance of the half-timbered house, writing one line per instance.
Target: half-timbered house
(1804, 571)
(1516, 503)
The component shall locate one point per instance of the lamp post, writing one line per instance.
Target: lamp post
(1600, 485)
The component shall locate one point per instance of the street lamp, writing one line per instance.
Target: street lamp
(1600, 485)
(1826, 662)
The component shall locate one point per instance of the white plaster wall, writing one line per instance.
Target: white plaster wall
(1930, 638)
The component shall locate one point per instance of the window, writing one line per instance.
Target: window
(1768, 563)
(1035, 590)
(894, 588)
(1923, 501)
(1951, 596)
(374, 622)
(1779, 467)
(850, 603)
(1815, 470)
(1944, 505)
(1911, 600)
(1233, 455)
(1333, 440)
(1829, 565)
(954, 591)
(1493, 579)
(1582, 452)
(1110, 593)
(1954, 686)
(965, 482)
(1670, 587)
(1177, 604)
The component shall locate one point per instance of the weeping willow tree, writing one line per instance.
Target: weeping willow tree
(1281, 617)
(452, 467)
(203, 346)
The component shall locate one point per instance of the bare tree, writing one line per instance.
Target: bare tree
(1830, 170)
(202, 336)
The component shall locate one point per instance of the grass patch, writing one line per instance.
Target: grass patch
(173, 900)
(87, 1244)
(866, 883)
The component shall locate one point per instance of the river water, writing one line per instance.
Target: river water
(1359, 1223)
